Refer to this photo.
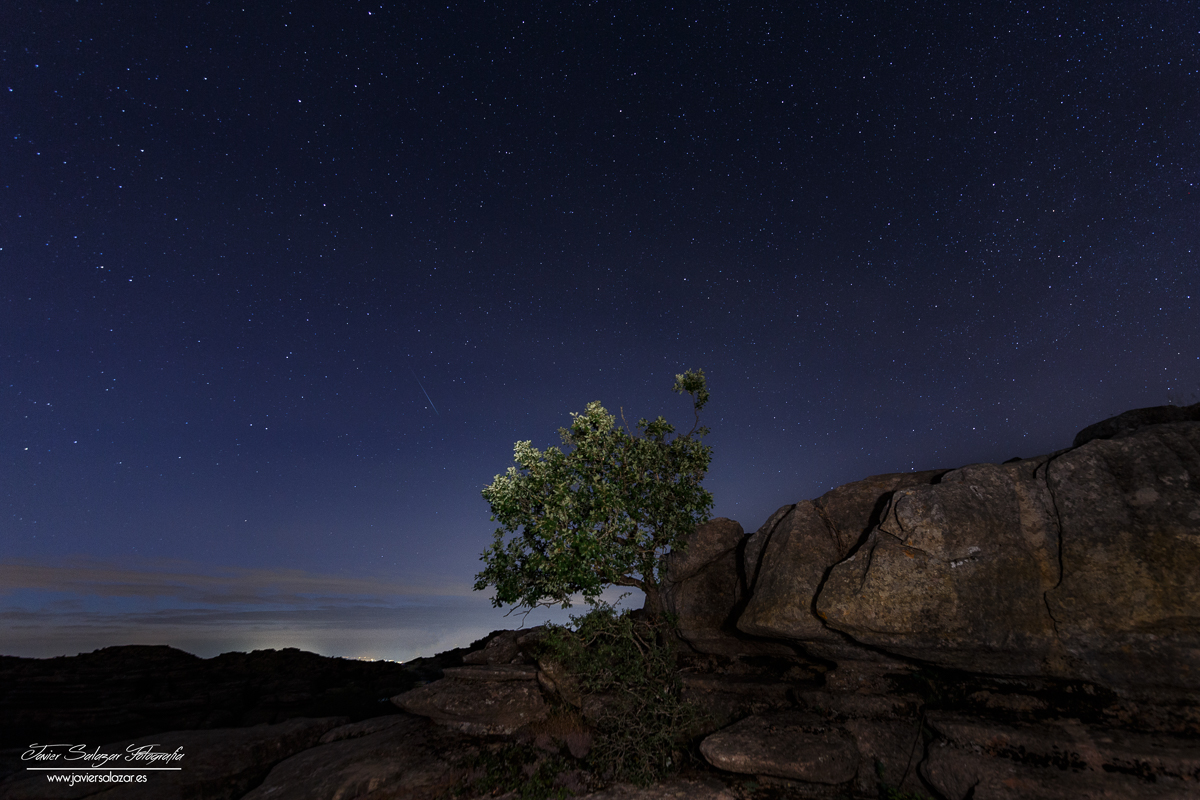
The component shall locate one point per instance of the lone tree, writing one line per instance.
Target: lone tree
(604, 512)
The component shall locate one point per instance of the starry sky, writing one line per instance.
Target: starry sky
(281, 283)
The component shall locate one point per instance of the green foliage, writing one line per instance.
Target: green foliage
(630, 666)
(531, 772)
(604, 509)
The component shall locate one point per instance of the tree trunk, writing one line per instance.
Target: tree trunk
(652, 607)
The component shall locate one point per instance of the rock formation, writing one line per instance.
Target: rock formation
(1037, 592)
(788, 559)
(1022, 630)
(1137, 418)
(1081, 565)
(402, 755)
(481, 699)
(1034, 624)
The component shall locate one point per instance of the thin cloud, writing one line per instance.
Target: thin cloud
(397, 633)
(194, 583)
(80, 605)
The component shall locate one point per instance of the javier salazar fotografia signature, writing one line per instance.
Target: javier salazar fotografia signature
(65, 763)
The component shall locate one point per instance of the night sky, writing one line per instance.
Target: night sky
(280, 286)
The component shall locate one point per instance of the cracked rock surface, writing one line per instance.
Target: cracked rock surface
(1081, 565)
(483, 699)
(784, 744)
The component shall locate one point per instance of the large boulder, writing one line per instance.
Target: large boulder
(788, 558)
(1135, 419)
(1127, 609)
(501, 648)
(791, 744)
(792, 557)
(1083, 564)
(711, 543)
(955, 573)
(395, 756)
(705, 588)
(702, 587)
(480, 700)
(827, 748)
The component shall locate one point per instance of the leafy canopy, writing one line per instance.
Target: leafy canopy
(604, 509)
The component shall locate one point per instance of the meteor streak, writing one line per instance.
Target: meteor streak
(427, 397)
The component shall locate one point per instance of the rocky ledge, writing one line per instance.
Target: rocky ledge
(1022, 630)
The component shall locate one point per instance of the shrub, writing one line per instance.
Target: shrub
(629, 666)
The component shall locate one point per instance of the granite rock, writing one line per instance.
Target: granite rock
(400, 756)
(704, 587)
(1083, 564)
(480, 699)
(785, 744)
(1056, 759)
(1134, 419)
(789, 558)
